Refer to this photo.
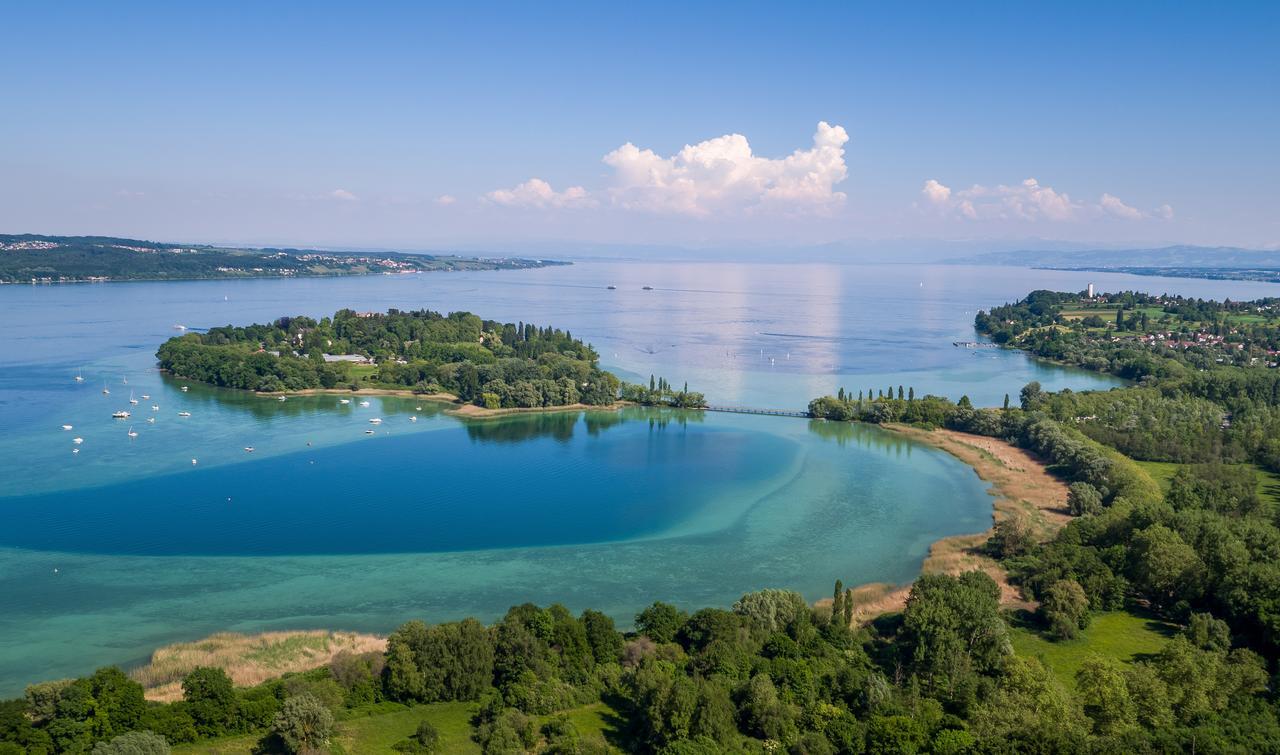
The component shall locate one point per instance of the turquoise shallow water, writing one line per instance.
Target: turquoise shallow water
(107, 553)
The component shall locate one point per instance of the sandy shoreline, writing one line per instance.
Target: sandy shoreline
(1020, 486)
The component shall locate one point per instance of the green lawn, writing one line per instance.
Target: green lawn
(1124, 635)
(1268, 482)
(376, 729)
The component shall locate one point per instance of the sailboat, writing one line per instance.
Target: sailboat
(132, 434)
(132, 400)
(155, 407)
(105, 390)
(79, 376)
(151, 420)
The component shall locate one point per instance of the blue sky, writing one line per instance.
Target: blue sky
(425, 127)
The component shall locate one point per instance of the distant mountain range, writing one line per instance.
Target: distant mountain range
(31, 258)
(1216, 262)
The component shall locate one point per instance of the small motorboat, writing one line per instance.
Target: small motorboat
(647, 288)
(146, 395)
(248, 449)
(193, 462)
(66, 427)
(184, 389)
(77, 441)
(152, 420)
(413, 419)
(155, 407)
(184, 414)
(364, 403)
(417, 408)
(368, 432)
(376, 421)
(122, 414)
(280, 398)
(75, 450)
(344, 401)
(613, 288)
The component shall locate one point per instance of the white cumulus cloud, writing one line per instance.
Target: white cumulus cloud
(538, 193)
(1028, 201)
(723, 174)
(1114, 206)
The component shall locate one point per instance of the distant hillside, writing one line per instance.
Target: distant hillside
(64, 259)
(1219, 262)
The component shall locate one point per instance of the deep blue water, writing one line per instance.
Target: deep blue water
(126, 545)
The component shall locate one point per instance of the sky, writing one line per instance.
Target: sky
(703, 126)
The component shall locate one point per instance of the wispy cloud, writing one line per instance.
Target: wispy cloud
(343, 195)
(1027, 201)
(538, 193)
(444, 200)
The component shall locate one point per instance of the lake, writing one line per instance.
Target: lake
(126, 545)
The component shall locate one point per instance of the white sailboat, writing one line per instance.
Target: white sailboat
(132, 400)
(155, 407)
(151, 420)
(80, 376)
(132, 434)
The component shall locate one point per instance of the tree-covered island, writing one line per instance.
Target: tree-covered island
(483, 362)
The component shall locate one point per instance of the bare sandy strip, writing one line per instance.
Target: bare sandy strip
(248, 659)
(1020, 486)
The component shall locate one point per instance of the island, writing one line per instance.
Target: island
(456, 357)
(31, 258)
(1140, 612)
(1183, 261)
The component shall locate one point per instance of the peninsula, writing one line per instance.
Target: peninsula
(76, 259)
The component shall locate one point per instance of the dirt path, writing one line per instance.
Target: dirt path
(1020, 487)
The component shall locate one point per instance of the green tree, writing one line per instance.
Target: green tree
(211, 700)
(660, 621)
(303, 725)
(1104, 691)
(134, 743)
(1030, 395)
(1065, 609)
(604, 639)
(1083, 498)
